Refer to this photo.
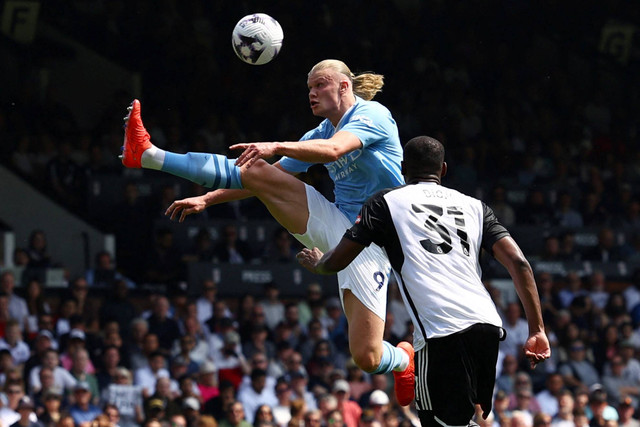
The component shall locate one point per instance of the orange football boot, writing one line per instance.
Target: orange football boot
(136, 137)
(405, 381)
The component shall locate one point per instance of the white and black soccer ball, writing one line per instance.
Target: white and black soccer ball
(257, 38)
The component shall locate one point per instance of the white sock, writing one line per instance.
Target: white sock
(152, 158)
(404, 363)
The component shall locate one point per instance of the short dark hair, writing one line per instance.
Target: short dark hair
(423, 154)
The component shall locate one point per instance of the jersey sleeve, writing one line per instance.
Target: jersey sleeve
(492, 229)
(371, 224)
(371, 124)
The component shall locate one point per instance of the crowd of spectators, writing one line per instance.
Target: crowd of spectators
(536, 120)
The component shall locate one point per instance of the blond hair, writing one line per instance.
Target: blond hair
(365, 85)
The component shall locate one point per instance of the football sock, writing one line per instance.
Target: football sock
(393, 359)
(209, 170)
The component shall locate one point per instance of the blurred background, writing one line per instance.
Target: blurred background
(537, 103)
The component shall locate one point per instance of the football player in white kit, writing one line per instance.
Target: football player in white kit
(433, 236)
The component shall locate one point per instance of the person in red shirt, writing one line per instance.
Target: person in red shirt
(349, 409)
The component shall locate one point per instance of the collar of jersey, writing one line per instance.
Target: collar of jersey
(348, 113)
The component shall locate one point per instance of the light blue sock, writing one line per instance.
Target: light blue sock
(392, 358)
(209, 170)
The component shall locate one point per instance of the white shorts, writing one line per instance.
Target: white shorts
(367, 277)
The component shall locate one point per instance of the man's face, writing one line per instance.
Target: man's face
(50, 359)
(324, 92)
(236, 413)
(82, 396)
(14, 393)
(7, 283)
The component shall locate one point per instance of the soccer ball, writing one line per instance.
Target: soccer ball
(257, 38)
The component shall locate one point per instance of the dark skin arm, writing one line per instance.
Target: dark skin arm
(333, 261)
(507, 252)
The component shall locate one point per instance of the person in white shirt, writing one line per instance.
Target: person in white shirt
(272, 305)
(62, 379)
(517, 330)
(13, 342)
(17, 305)
(204, 304)
(549, 396)
(147, 376)
(257, 394)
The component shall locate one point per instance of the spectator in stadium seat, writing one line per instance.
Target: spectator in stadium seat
(281, 249)
(82, 410)
(80, 371)
(117, 306)
(162, 397)
(147, 376)
(607, 249)
(127, 398)
(577, 371)
(192, 342)
(108, 368)
(617, 385)
(13, 342)
(517, 330)
(597, 290)
(626, 412)
(36, 304)
(565, 214)
(535, 211)
(205, 301)
(573, 288)
(163, 263)
(162, 325)
(549, 299)
(564, 416)
(568, 250)
(230, 249)
(63, 380)
(549, 397)
(503, 210)
(17, 305)
(257, 394)
(272, 304)
(230, 361)
(39, 258)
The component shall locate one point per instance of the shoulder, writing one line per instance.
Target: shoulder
(374, 106)
(319, 131)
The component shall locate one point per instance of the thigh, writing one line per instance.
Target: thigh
(282, 193)
(454, 373)
(367, 277)
(366, 329)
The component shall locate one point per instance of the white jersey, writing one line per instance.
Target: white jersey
(433, 236)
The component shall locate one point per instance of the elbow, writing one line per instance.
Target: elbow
(521, 264)
(333, 154)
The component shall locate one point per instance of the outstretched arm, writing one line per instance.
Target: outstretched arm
(312, 150)
(191, 205)
(506, 250)
(331, 262)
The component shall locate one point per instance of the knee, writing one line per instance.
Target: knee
(255, 170)
(366, 358)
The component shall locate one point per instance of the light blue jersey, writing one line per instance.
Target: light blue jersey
(363, 172)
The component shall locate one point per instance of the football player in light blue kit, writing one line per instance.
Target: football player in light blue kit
(359, 144)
